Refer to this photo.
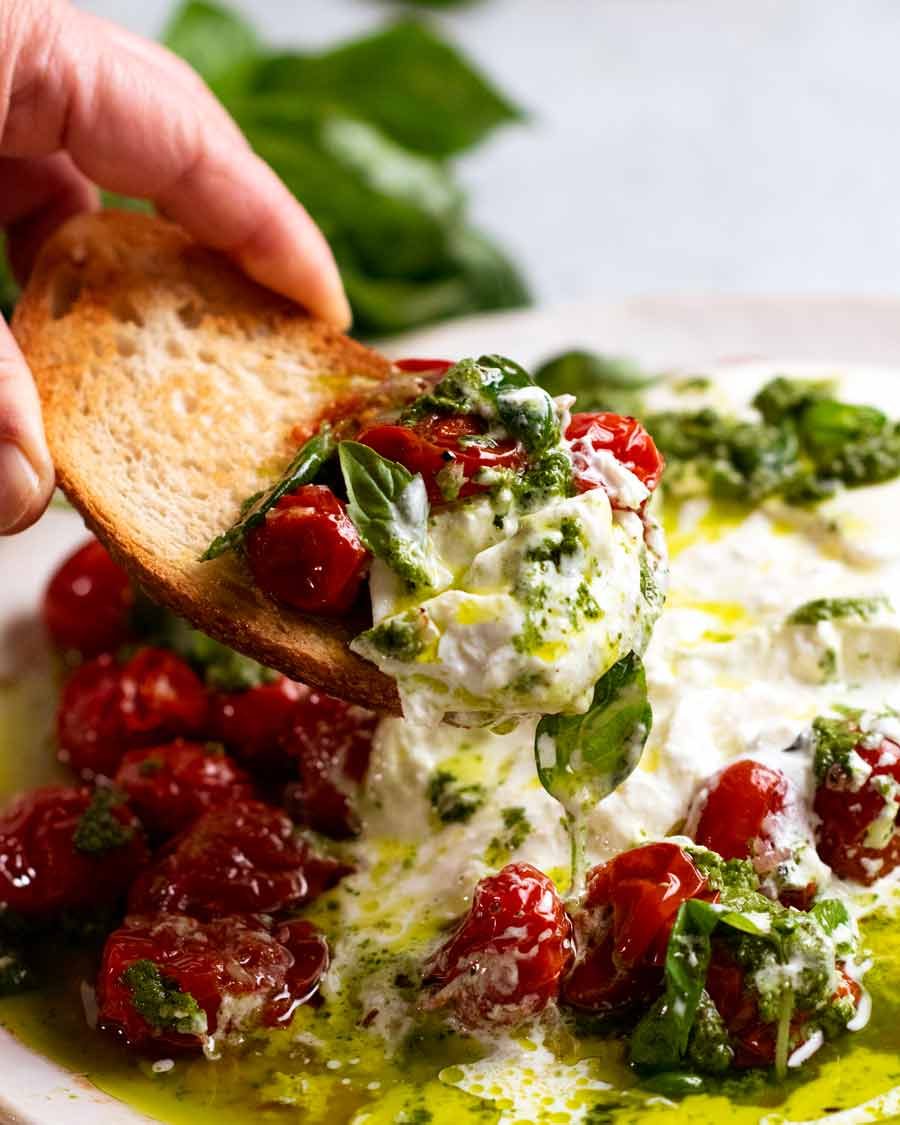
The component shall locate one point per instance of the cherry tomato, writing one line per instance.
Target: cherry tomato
(43, 871)
(622, 928)
(307, 553)
(504, 962)
(88, 602)
(171, 785)
(331, 742)
(624, 437)
(253, 723)
(414, 366)
(434, 444)
(271, 971)
(108, 708)
(243, 857)
(852, 836)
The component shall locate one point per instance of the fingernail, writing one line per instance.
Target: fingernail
(19, 485)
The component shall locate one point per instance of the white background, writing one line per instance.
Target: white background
(713, 145)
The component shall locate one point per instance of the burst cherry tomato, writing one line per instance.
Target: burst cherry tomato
(436, 445)
(108, 708)
(253, 723)
(171, 785)
(48, 865)
(331, 741)
(88, 602)
(624, 437)
(504, 962)
(243, 857)
(167, 983)
(623, 926)
(858, 834)
(307, 553)
(415, 366)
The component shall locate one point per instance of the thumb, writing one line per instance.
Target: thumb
(26, 472)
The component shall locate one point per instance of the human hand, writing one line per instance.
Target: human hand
(84, 103)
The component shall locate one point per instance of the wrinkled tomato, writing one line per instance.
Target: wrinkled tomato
(43, 871)
(220, 977)
(504, 962)
(331, 742)
(243, 857)
(858, 834)
(107, 708)
(417, 366)
(436, 447)
(307, 553)
(622, 927)
(254, 723)
(169, 786)
(624, 437)
(88, 602)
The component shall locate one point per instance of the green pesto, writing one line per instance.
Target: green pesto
(837, 609)
(99, 829)
(399, 638)
(516, 830)
(565, 543)
(834, 744)
(453, 801)
(161, 1002)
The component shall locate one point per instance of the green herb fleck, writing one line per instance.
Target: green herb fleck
(838, 609)
(516, 830)
(453, 801)
(161, 1002)
(99, 829)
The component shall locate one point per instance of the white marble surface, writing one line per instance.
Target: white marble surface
(727, 145)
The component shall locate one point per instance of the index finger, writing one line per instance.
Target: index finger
(134, 123)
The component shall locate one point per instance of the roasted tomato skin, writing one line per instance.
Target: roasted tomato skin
(307, 553)
(42, 872)
(416, 366)
(847, 816)
(280, 966)
(170, 785)
(254, 723)
(88, 602)
(435, 443)
(504, 962)
(623, 924)
(330, 742)
(624, 437)
(108, 708)
(739, 800)
(243, 857)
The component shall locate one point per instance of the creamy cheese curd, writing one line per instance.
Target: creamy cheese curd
(728, 677)
(534, 608)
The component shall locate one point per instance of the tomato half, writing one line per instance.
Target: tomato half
(740, 799)
(624, 437)
(437, 444)
(88, 602)
(307, 553)
(253, 723)
(505, 960)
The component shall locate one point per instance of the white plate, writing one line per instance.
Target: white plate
(669, 332)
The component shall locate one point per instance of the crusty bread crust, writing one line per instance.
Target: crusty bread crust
(173, 387)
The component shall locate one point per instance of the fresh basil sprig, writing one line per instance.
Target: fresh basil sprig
(581, 759)
(389, 508)
(305, 466)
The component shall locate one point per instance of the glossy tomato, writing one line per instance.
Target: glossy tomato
(307, 553)
(330, 742)
(108, 708)
(622, 927)
(244, 857)
(740, 800)
(169, 982)
(253, 723)
(47, 865)
(170, 785)
(504, 962)
(624, 437)
(858, 834)
(88, 602)
(423, 366)
(437, 447)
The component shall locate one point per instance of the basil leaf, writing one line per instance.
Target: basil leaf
(600, 382)
(211, 38)
(583, 758)
(389, 507)
(304, 467)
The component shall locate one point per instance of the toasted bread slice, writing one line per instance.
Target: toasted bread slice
(173, 387)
